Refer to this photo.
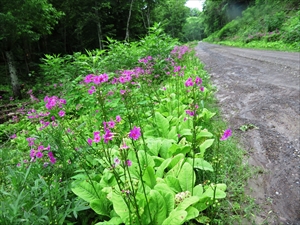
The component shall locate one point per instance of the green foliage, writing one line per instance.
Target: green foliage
(158, 164)
(271, 25)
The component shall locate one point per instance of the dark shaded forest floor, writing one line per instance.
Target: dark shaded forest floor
(261, 89)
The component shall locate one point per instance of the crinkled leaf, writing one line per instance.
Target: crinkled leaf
(205, 145)
(201, 164)
(175, 217)
(173, 183)
(162, 124)
(86, 190)
(187, 177)
(101, 206)
(187, 202)
(149, 177)
(158, 207)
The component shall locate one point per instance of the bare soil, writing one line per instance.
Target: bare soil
(262, 88)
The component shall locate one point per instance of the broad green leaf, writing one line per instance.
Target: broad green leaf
(217, 191)
(154, 145)
(205, 145)
(120, 207)
(187, 177)
(112, 221)
(187, 202)
(87, 191)
(175, 218)
(201, 164)
(192, 213)
(173, 134)
(162, 167)
(203, 203)
(175, 160)
(198, 190)
(165, 146)
(158, 207)
(158, 161)
(149, 177)
(204, 134)
(162, 124)
(101, 206)
(173, 183)
(145, 159)
(168, 196)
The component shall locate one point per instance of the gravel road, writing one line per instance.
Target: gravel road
(262, 88)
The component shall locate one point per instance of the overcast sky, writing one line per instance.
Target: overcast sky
(195, 4)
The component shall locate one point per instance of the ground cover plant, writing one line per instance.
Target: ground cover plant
(122, 137)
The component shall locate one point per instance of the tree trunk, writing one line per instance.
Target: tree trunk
(99, 30)
(127, 27)
(13, 75)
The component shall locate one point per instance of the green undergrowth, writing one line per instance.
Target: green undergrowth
(128, 136)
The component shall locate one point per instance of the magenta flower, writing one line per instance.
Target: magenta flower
(52, 160)
(190, 112)
(189, 82)
(61, 113)
(97, 137)
(39, 155)
(13, 136)
(122, 92)
(135, 133)
(88, 78)
(198, 80)
(227, 133)
(32, 153)
(118, 119)
(128, 162)
(111, 123)
(108, 136)
(90, 141)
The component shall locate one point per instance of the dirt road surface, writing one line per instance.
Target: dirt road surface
(262, 88)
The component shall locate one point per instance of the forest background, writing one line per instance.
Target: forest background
(39, 27)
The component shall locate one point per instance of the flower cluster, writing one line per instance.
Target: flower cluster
(179, 51)
(181, 196)
(96, 79)
(108, 134)
(53, 101)
(189, 82)
(38, 153)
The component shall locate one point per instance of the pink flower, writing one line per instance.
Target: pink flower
(122, 92)
(189, 112)
(97, 137)
(90, 141)
(111, 123)
(198, 80)
(227, 133)
(32, 153)
(189, 82)
(135, 133)
(61, 113)
(118, 119)
(108, 136)
(88, 78)
(39, 155)
(52, 160)
(128, 162)
(13, 136)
